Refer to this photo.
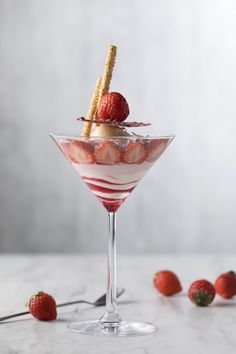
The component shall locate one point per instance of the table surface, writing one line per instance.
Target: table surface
(182, 327)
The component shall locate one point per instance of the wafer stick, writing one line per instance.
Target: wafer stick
(107, 75)
(92, 109)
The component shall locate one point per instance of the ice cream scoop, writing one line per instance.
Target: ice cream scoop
(106, 130)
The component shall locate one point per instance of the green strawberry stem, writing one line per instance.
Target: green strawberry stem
(202, 298)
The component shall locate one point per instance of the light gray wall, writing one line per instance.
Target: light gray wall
(177, 68)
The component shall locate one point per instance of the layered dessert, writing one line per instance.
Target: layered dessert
(109, 158)
(112, 167)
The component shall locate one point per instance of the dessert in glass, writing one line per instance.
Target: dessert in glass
(111, 161)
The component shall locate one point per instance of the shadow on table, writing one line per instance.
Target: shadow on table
(224, 303)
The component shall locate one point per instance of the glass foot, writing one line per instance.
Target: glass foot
(124, 329)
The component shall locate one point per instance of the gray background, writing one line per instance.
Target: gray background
(176, 67)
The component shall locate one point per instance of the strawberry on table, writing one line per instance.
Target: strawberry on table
(167, 282)
(201, 292)
(225, 285)
(113, 106)
(43, 306)
(107, 152)
(78, 151)
(134, 152)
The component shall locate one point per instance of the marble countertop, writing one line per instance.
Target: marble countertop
(182, 327)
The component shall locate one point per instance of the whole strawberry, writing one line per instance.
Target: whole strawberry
(113, 106)
(43, 306)
(225, 285)
(201, 292)
(167, 282)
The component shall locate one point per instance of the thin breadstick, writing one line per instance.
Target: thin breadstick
(107, 75)
(92, 109)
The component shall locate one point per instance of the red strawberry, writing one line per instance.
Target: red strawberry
(107, 153)
(155, 149)
(78, 151)
(201, 292)
(43, 306)
(225, 285)
(113, 106)
(167, 282)
(134, 152)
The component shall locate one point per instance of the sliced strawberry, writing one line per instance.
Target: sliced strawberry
(78, 151)
(107, 153)
(155, 149)
(135, 152)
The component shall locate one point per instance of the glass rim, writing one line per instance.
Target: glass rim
(118, 137)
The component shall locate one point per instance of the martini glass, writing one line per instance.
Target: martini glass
(112, 179)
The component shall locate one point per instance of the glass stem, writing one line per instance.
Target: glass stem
(111, 318)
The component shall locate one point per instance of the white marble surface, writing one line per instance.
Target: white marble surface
(183, 328)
